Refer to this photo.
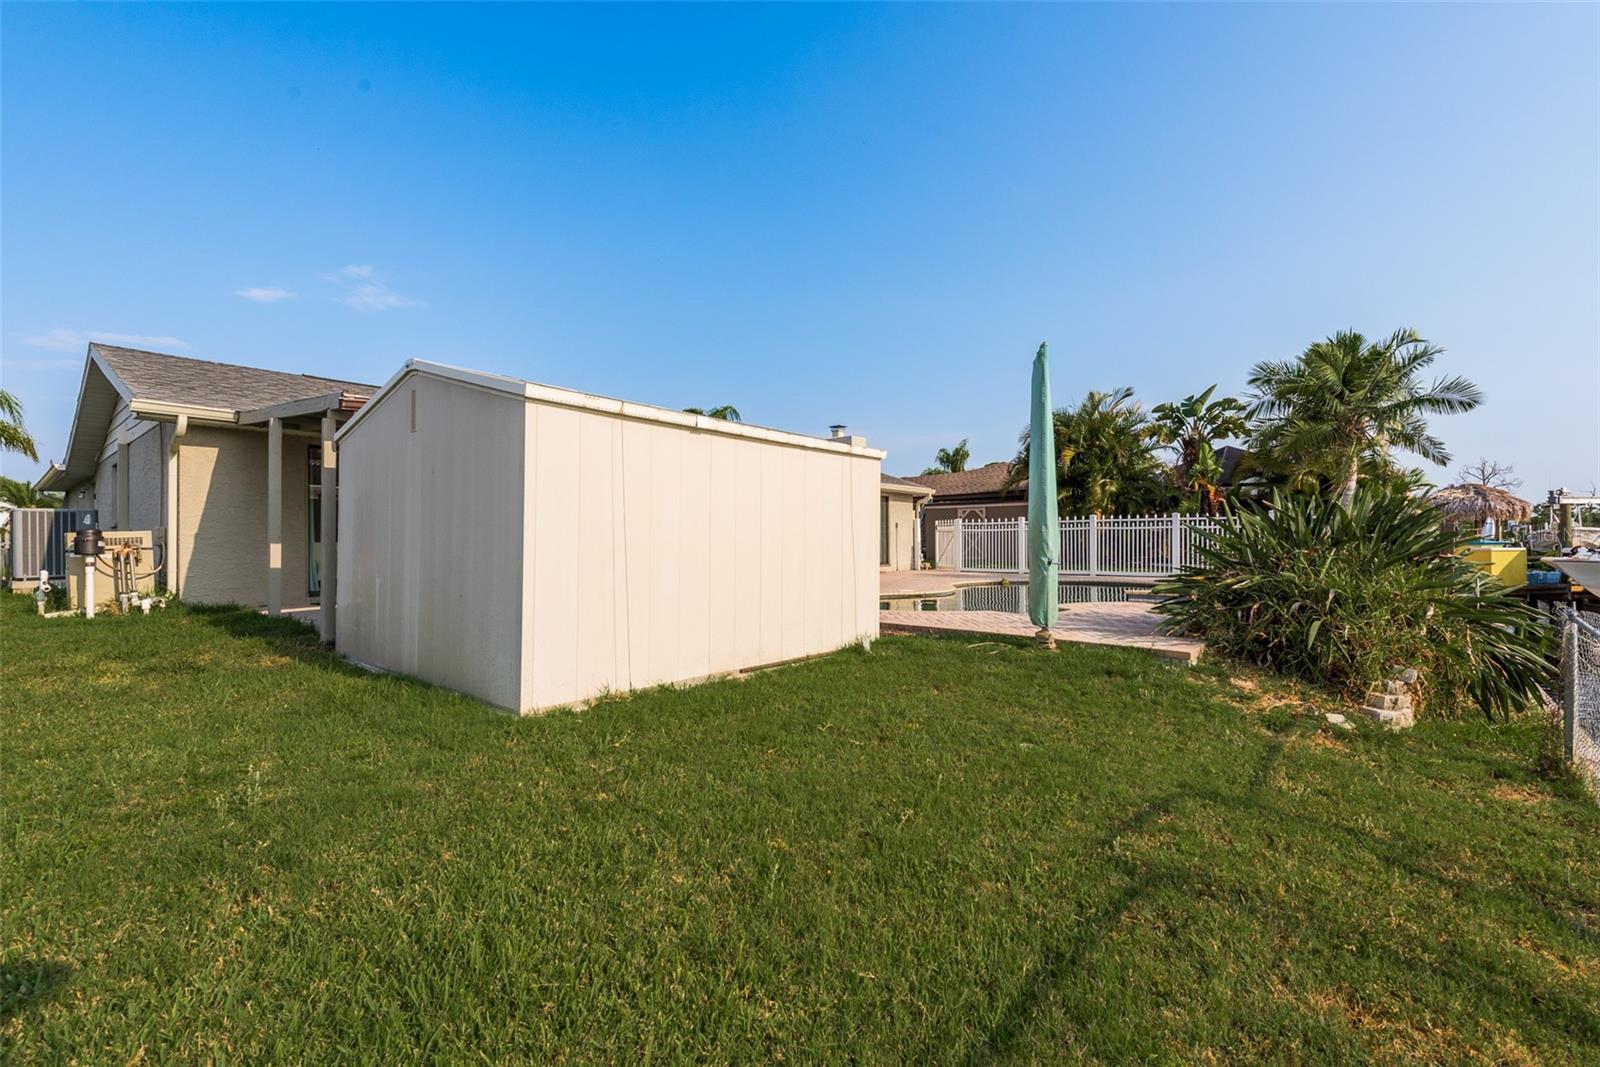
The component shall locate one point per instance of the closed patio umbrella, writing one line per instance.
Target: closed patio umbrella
(1043, 528)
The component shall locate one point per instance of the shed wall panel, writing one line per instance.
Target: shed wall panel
(643, 553)
(430, 538)
(553, 488)
(661, 554)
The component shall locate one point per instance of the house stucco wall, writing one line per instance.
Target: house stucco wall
(222, 517)
(145, 474)
(105, 492)
(80, 495)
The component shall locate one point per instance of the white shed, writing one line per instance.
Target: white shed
(536, 546)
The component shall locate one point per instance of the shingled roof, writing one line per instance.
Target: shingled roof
(987, 480)
(154, 385)
(203, 383)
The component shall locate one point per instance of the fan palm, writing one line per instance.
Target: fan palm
(23, 495)
(1345, 402)
(13, 438)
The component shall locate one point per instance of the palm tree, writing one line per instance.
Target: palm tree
(13, 438)
(24, 495)
(951, 460)
(1345, 402)
(1191, 427)
(1105, 457)
(725, 412)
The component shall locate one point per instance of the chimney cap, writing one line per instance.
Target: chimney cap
(836, 429)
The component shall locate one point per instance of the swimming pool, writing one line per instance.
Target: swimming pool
(1013, 597)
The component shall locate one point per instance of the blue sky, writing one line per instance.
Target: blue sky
(868, 215)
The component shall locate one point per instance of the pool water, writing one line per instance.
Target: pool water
(1013, 597)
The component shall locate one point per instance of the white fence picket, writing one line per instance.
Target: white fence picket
(1154, 546)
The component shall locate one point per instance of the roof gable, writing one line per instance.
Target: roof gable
(113, 376)
(171, 379)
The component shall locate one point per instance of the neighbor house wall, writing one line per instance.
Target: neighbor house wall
(222, 517)
(901, 519)
(431, 535)
(659, 553)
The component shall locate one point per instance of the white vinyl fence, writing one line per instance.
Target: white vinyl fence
(1152, 546)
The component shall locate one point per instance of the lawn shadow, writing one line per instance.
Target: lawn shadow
(302, 643)
(1058, 960)
(285, 635)
(26, 982)
(1470, 965)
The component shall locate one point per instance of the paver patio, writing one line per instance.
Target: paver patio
(1128, 625)
(930, 583)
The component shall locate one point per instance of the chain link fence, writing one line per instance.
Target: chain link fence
(1580, 694)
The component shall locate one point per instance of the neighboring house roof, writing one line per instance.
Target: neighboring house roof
(905, 487)
(156, 385)
(1228, 458)
(985, 481)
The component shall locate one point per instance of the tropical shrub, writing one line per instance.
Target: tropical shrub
(1344, 595)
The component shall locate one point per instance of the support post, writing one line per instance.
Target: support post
(1177, 544)
(1022, 546)
(1094, 545)
(961, 547)
(169, 551)
(1569, 687)
(274, 516)
(122, 522)
(916, 536)
(330, 529)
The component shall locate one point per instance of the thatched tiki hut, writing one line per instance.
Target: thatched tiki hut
(1473, 504)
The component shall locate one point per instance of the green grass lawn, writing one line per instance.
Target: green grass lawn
(222, 844)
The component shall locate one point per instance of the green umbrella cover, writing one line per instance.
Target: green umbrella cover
(1044, 530)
